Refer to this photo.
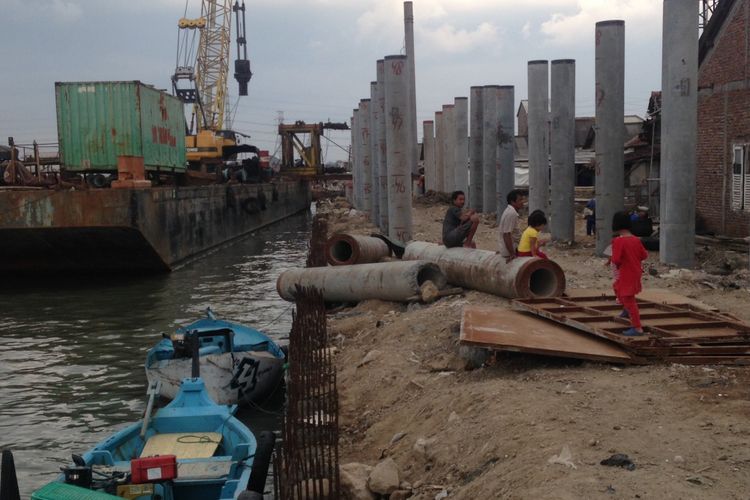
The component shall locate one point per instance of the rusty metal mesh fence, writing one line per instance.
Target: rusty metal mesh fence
(306, 463)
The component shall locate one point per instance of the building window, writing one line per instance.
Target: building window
(740, 178)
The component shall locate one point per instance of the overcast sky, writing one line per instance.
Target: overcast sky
(314, 59)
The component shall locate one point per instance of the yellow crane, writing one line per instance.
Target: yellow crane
(200, 79)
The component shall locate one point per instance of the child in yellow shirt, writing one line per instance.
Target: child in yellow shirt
(529, 244)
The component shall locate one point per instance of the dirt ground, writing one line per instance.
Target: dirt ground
(493, 432)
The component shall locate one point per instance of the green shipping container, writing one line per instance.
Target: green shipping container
(99, 121)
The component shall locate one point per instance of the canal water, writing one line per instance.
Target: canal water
(72, 354)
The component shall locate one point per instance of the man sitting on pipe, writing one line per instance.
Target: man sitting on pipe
(508, 225)
(459, 226)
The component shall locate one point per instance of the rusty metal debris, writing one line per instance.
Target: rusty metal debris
(317, 257)
(678, 333)
(21, 168)
(501, 329)
(306, 465)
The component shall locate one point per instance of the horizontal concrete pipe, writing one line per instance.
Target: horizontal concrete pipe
(523, 277)
(347, 249)
(396, 281)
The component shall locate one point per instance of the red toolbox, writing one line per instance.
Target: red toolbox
(153, 469)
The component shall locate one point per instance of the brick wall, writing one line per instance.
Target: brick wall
(723, 120)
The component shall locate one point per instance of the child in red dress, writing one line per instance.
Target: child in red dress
(627, 255)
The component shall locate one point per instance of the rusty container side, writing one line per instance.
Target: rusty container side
(162, 129)
(99, 121)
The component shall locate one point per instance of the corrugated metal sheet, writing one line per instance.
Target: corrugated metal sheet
(99, 121)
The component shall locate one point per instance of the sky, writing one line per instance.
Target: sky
(313, 60)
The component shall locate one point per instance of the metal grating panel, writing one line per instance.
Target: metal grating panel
(671, 330)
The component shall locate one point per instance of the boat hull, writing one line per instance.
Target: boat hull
(230, 378)
(213, 451)
(148, 230)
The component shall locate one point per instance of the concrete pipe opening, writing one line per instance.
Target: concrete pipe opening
(540, 278)
(347, 249)
(342, 251)
(543, 283)
(431, 272)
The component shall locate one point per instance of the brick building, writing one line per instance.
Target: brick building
(723, 175)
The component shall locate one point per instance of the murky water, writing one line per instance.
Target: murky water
(72, 353)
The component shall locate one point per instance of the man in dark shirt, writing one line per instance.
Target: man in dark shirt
(459, 226)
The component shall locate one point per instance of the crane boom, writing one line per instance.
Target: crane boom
(213, 63)
(200, 79)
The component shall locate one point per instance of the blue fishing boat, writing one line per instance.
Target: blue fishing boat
(239, 364)
(192, 449)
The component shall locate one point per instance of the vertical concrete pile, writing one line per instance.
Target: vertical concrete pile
(476, 180)
(372, 174)
(679, 133)
(348, 249)
(356, 174)
(428, 141)
(365, 158)
(461, 155)
(489, 272)
(490, 127)
(563, 121)
(610, 116)
(382, 148)
(505, 175)
(449, 148)
(439, 157)
(374, 151)
(395, 281)
(411, 67)
(538, 81)
(397, 138)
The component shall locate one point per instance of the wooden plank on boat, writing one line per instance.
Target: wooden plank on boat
(183, 445)
(507, 330)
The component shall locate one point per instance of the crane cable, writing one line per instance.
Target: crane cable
(186, 44)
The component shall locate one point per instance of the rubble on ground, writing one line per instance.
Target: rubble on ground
(490, 431)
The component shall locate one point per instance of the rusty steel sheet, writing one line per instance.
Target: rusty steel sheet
(672, 331)
(506, 330)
